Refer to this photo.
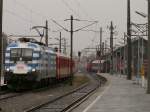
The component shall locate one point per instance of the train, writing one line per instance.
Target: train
(29, 63)
(96, 65)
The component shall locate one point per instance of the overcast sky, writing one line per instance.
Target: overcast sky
(20, 15)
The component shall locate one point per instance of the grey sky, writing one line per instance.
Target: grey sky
(20, 15)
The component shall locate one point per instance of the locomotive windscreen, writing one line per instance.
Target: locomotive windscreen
(21, 54)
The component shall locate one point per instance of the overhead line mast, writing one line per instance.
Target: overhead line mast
(129, 76)
(71, 37)
(1, 40)
(148, 85)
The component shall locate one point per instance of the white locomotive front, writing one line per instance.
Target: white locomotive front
(27, 63)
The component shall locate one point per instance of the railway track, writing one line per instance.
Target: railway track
(4, 95)
(2, 92)
(7, 94)
(69, 100)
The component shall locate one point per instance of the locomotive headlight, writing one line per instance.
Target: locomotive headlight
(7, 69)
(33, 70)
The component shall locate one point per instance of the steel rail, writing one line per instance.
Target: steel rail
(69, 99)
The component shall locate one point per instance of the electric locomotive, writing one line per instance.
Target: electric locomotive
(29, 63)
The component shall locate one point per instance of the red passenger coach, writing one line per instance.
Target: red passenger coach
(63, 64)
(88, 67)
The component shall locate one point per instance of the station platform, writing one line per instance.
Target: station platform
(120, 95)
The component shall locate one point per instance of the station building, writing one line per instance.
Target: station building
(139, 57)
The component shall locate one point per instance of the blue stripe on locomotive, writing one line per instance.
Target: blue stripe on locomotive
(13, 44)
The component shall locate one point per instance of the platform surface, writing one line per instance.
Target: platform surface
(120, 95)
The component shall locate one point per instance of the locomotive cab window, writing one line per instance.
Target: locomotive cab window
(24, 53)
(15, 54)
(27, 54)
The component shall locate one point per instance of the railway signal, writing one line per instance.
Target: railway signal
(79, 55)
